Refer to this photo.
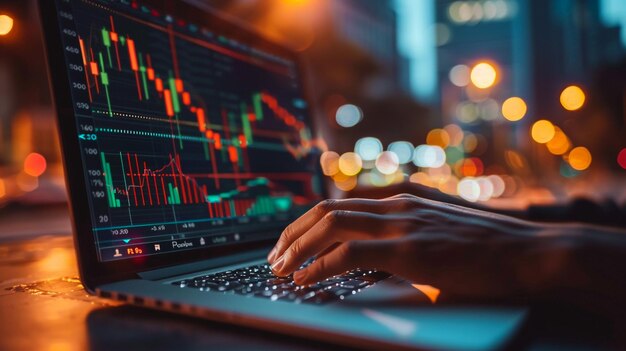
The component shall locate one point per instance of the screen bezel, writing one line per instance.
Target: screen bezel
(93, 272)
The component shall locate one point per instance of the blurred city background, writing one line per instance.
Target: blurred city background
(504, 101)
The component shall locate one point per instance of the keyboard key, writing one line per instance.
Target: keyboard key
(354, 284)
(258, 281)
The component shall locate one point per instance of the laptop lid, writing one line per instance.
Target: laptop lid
(185, 136)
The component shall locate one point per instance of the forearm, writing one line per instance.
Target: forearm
(592, 268)
(428, 193)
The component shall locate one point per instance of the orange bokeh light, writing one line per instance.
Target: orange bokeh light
(438, 137)
(579, 158)
(514, 109)
(471, 167)
(35, 164)
(6, 24)
(542, 131)
(572, 98)
(559, 144)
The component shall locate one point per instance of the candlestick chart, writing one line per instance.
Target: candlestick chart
(184, 131)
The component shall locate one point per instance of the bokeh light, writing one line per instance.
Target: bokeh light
(348, 115)
(26, 183)
(467, 112)
(460, 75)
(559, 144)
(6, 24)
(368, 148)
(421, 178)
(579, 158)
(346, 183)
(510, 185)
(498, 185)
(483, 75)
(567, 171)
(472, 12)
(402, 149)
(489, 110)
(449, 186)
(454, 154)
(621, 158)
(469, 189)
(514, 109)
(542, 131)
(387, 162)
(572, 98)
(515, 160)
(381, 180)
(34, 164)
(470, 167)
(470, 142)
(429, 156)
(329, 160)
(350, 163)
(440, 173)
(455, 133)
(438, 137)
(486, 189)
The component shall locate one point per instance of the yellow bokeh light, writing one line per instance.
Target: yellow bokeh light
(483, 75)
(572, 98)
(350, 163)
(579, 158)
(438, 137)
(559, 144)
(514, 109)
(6, 24)
(542, 131)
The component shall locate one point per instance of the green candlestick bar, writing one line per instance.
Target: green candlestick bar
(258, 107)
(108, 182)
(106, 40)
(174, 197)
(104, 77)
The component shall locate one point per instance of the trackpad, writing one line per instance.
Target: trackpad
(393, 291)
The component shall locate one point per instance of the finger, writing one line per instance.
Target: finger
(348, 256)
(314, 215)
(327, 250)
(340, 226)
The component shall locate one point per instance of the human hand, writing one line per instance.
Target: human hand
(462, 251)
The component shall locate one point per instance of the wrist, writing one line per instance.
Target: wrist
(550, 260)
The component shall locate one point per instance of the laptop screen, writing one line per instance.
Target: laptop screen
(189, 136)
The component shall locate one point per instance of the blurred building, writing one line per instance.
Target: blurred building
(537, 47)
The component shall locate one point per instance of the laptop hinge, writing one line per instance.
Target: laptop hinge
(203, 265)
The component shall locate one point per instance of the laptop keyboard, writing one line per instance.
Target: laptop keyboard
(259, 281)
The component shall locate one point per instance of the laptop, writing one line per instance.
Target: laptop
(188, 146)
